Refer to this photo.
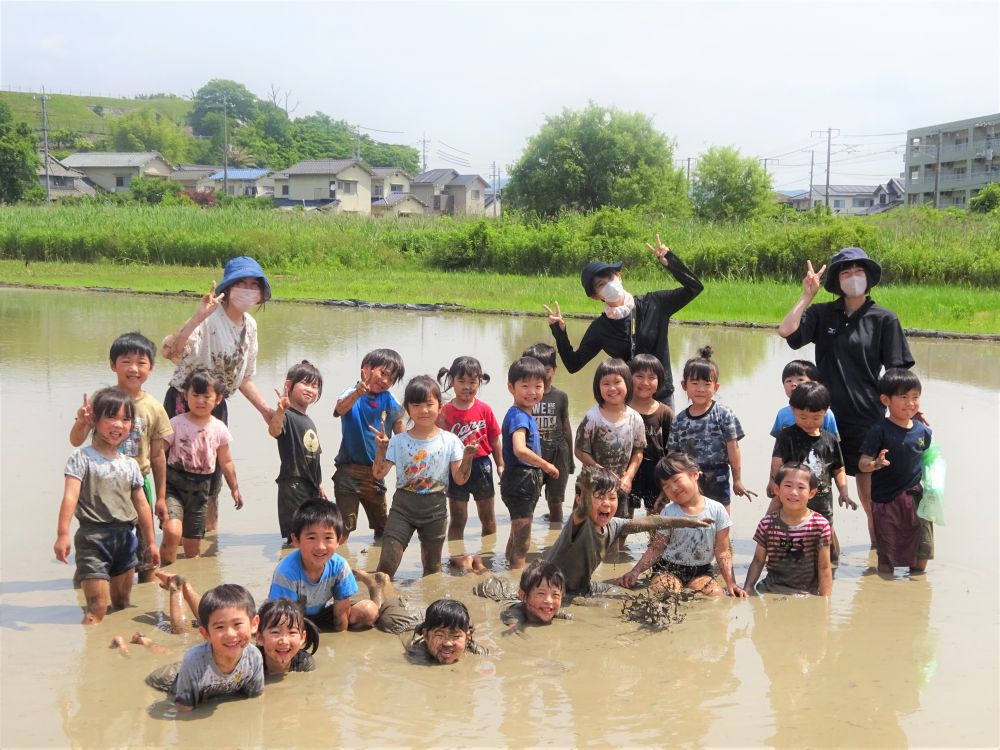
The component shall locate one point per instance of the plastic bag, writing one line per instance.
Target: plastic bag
(931, 507)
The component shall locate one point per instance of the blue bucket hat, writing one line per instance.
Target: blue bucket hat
(850, 256)
(594, 269)
(243, 267)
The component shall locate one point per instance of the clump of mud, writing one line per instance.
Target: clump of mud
(657, 611)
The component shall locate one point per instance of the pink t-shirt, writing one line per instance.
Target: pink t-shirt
(477, 420)
(193, 448)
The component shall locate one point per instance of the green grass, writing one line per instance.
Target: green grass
(941, 308)
(71, 112)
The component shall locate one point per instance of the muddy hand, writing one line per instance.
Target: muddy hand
(381, 439)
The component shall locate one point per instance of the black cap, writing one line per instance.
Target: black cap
(594, 269)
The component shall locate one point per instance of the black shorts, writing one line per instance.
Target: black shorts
(645, 488)
(851, 438)
(520, 486)
(714, 483)
(104, 550)
(480, 484)
(187, 500)
(822, 503)
(685, 573)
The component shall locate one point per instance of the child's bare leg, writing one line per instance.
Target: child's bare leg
(379, 585)
(555, 510)
(459, 514)
(834, 545)
(517, 545)
(468, 563)
(171, 582)
(705, 585)
(141, 640)
(192, 547)
(919, 567)
(392, 555)
(430, 556)
(171, 538)
(212, 513)
(665, 582)
(120, 588)
(119, 642)
(176, 607)
(363, 614)
(487, 515)
(97, 593)
(864, 485)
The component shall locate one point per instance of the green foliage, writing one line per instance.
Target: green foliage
(153, 190)
(583, 160)
(727, 187)
(18, 158)
(986, 200)
(148, 130)
(239, 102)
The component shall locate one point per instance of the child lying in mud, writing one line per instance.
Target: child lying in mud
(444, 635)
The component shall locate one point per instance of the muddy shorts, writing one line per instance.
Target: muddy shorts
(520, 486)
(292, 494)
(714, 482)
(427, 514)
(395, 617)
(354, 485)
(822, 504)
(187, 499)
(684, 573)
(561, 457)
(851, 438)
(645, 488)
(902, 538)
(104, 550)
(164, 678)
(480, 484)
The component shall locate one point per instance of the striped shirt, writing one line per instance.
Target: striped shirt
(792, 552)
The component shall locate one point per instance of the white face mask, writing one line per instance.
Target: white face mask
(243, 299)
(854, 286)
(612, 292)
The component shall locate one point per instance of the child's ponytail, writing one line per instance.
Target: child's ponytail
(702, 367)
(462, 367)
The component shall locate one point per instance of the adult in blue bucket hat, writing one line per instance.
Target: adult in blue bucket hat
(855, 341)
(221, 335)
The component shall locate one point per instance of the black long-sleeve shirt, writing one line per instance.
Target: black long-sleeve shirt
(651, 319)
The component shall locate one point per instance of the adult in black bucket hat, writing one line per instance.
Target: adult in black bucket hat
(855, 340)
(628, 325)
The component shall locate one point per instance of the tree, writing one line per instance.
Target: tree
(154, 190)
(582, 160)
(18, 158)
(727, 187)
(986, 200)
(240, 104)
(146, 129)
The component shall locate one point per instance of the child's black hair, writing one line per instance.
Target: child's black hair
(788, 468)
(386, 359)
(525, 368)
(800, 368)
(108, 402)
(811, 396)
(612, 366)
(305, 372)
(446, 613)
(702, 367)
(462, 367)
(317, 513)
(222, 596)
(539, 572)
(200, 379)
(544, 353)
(283, 611)
(648, 363)
(133, 343)
(604, 480)
(673, 464)
(420, 389)
(897, 381)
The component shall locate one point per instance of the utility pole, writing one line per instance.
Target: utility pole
(45, 136)
(766, 159)
(423, 144)
(829, 137)
(225, 145)
(812, 156)
(357, 143)
(937, 171)
(496, 187)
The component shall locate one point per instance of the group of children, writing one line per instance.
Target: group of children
(633, 450)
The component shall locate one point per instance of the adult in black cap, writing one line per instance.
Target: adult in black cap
(221, 335)
(628, 325)
(855, 340)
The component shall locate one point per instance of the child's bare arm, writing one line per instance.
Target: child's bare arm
(584, 458)
(146, 523)
(581, 512)
(755, 569)
(868, 464)
(71, 496)
(630, 471)
(462, 470)
(825, 570)
(840, 479)
(82, 425)
(528, 456)
(173, 345)
(225, 459)
(772, 488)
(158, 465)
(497, 450)
(276, 425)
(654, 523)
(736, 465)
(341, 615)
(398, 426)
(653, 553)
(724, 559)
(381, 465)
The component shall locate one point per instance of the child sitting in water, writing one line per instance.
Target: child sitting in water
(104, 490)
(444, 635)
(540, 594)
(793, 543)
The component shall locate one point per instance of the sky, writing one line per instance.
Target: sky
(478, 79)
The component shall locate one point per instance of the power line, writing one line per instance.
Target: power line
(452, 148)
(870, 135)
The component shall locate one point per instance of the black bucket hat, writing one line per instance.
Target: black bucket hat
(849, 256)
(594, 269)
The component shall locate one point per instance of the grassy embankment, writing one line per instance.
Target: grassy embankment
(950, 263)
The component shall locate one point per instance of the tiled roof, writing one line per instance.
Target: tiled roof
(393, 198)
(241, 174)
(324, 166)
(435, 175)
(467, 180)
(191, 174)
(111, 159)
(386, 171)
(56, 169)
(846, 189)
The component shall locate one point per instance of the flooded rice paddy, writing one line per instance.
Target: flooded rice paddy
(884, 663)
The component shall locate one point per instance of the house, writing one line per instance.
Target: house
(797, 199)
(398, 204)
(445, 191)
(194, 177)
(948, 164)
(889, 195)
(115, 170)
(492, 200)
(387, 180)
(347, 182)
(63, 181)
(244, 182)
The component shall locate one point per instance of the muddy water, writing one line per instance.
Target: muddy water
(883, 663)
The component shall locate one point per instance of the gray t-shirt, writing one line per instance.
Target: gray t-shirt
(578, 554)
(106, 486)
(517, 615)
(694, 546)
(200, 678)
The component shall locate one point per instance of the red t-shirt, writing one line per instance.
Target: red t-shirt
(477, 420)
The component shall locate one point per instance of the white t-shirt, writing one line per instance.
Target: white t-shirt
(223, 346)
(694, 546)
(423, 466)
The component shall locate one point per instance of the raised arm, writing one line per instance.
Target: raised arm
(82, 425)
(810, 287)
(381, 465)
(345, 403)
(691, 285)
(173, 345)
(654, 523)
(277, 424)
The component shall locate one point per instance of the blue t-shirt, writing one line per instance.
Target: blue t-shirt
(290, 581)
(357, 446)
(516, 419)
(786, 418)
(906, 448)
